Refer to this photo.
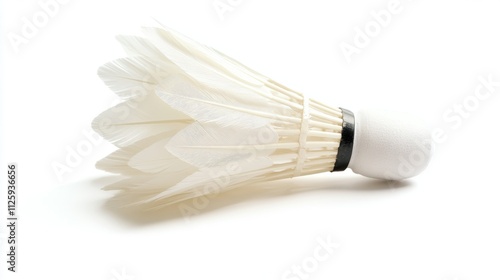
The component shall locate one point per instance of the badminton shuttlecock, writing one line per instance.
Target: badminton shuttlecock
(195, 121)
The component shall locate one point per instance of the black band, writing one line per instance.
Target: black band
(346, 142)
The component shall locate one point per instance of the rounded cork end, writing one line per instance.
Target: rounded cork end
(390, 145)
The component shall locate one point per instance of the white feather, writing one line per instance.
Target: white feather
(208, 145)
(138, 118)
(215, 179)
(156, 158)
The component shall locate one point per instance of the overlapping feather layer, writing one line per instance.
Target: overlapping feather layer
(194, 121)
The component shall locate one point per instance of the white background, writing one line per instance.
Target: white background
(428, 59)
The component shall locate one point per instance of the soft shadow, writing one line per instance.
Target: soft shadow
(192, 208)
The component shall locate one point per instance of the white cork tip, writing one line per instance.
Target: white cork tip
(390, 145)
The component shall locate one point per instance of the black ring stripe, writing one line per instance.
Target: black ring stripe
(346, 142)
